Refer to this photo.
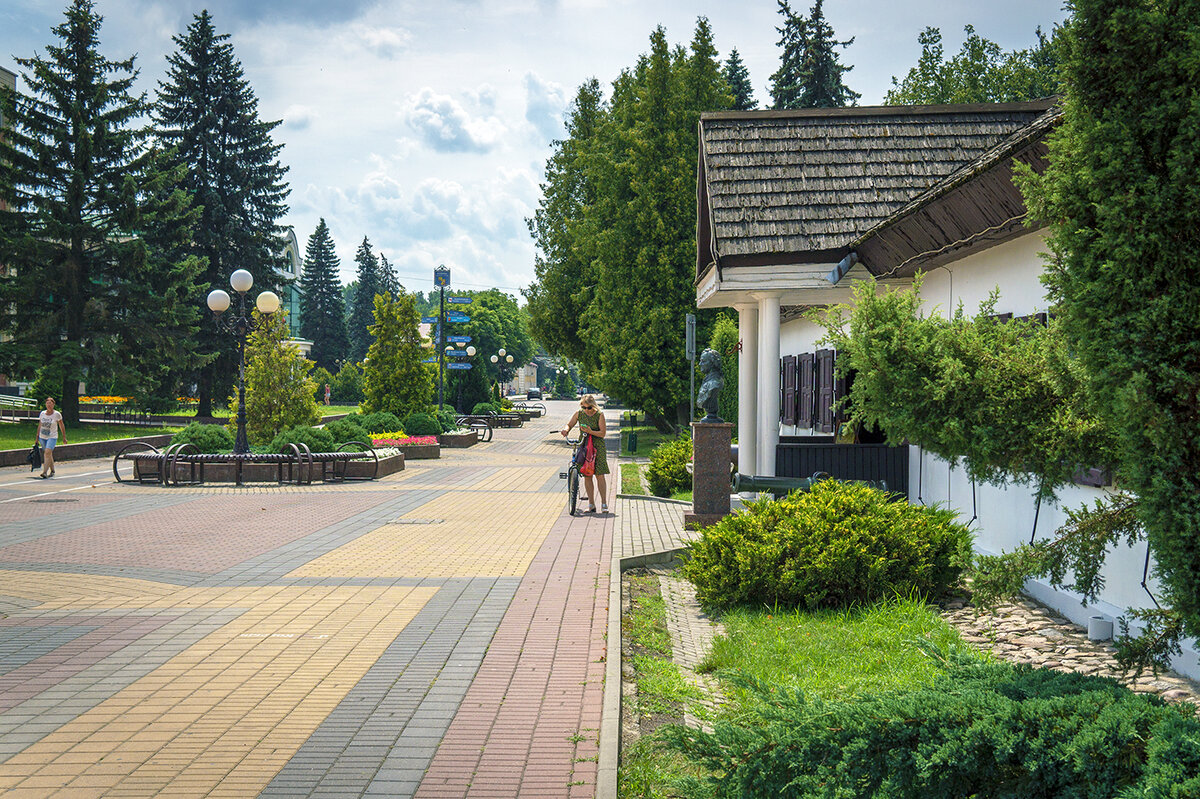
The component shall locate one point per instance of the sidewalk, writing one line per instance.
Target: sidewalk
(440, 632)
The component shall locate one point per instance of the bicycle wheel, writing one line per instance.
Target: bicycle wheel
(572, 489)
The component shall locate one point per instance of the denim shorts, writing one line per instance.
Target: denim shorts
(47, 443)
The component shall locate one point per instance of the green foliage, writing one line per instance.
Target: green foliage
(497, 322)
(317, 439)
(95, 227)
(446, 418)
(1006, 399)
(1122, 203)
(809, 74)
(981, 729)
(738, 78)
(421, 424)
(836, 545)
(725, 339)
(466, 388)
(667, 472)
(349, 429)
(321, 378)
(618, 215)
(484, 408)
(322, 312)
(564, 386)
(209, 128)
(347, 385)
(981, 72)
(362, 310)
(395, 378)
(378, 422)
(279, 392)
(207, 438)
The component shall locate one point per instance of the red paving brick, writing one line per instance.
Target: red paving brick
(185, 536)
(541, 684)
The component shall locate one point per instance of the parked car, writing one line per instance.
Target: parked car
(533, 393)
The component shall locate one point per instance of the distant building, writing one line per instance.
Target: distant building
(289, 295)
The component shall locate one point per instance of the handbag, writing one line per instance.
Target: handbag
(588, 467)
(34, 458)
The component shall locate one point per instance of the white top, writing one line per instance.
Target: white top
(48, 424)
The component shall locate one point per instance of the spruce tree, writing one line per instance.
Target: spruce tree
(322, 313)
(388, 281)
(395, 377)
(362, 309)
(810, 75)
(93, 227)
(208, 114)
(738, 78)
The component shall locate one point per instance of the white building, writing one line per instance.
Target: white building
(794, 207)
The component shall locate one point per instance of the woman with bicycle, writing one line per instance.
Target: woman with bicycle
(591, 422)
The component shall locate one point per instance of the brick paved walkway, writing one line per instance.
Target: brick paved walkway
(441, 632)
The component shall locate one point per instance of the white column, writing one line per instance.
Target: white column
(748, 390)
(768, 381)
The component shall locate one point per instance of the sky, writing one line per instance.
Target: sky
(425, 126)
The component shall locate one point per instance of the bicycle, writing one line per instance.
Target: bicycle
(571, 475)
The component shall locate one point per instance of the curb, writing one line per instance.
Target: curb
(653, 498)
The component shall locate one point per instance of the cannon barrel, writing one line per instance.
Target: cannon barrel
(780, 486)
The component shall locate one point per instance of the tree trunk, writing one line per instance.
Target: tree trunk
(69, 407)
(661, 423)
(204, 393)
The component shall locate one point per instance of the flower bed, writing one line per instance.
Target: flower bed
(413, 447)
(458, 439)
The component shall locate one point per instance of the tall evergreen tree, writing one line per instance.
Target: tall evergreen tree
(362, 310)
(208, 113)
(810, 75)
(322, 313)
(396, 378)
(738, 78)
(388, 281)
(93, 226)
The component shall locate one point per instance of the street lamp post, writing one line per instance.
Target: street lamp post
(495, 359)
(241, 323)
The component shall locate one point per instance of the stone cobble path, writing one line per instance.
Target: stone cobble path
(439, 632)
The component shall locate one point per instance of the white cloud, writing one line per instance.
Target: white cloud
(385, 42)
(298, 117)
(445, 126)
(545, 106)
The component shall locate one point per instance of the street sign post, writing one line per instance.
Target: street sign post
(457, 353)
(457, 318)
(689, 346)
(458, 366)
(459, 339)
(429, 320)
(441, 280)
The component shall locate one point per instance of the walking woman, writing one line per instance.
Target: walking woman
(50, 424)
(591, 422)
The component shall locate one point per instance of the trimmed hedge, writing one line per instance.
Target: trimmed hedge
(837, 545)
(348, 429)
(667, 472)
(421, 424)
(318, 440)
(982, 729)
(207, 438)
(482, 408)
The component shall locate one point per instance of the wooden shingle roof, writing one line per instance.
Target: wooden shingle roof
(800, 186)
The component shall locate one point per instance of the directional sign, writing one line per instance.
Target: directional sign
(456, 353)
(429, 360)
(441, 277)
(458, 366)
(459, 300)
(459, 339)
(428, 320)
(457, 318)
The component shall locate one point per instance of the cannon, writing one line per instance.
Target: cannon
(781, 486)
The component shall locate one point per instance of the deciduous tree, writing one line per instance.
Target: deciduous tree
(279, 392)
(395, 378)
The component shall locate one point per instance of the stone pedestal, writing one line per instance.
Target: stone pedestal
(710, 473)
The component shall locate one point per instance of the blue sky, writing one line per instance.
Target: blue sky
(425, 125)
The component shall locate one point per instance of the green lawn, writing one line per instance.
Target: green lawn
(648, 437)
(20, 435)
(631, 479)
(220, 412)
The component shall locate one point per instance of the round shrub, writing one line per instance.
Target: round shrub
(667, 472)
(207, 438)
(379, 422)
(447, 419)
(421, 424)
(318, 440)
(344, 430)
(837, 545)
(482, 408)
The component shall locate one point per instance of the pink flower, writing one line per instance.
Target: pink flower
(399, 442)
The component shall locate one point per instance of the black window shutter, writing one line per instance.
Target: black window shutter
(804, 391)
(840, 387)
(789, 390)
(825, 391)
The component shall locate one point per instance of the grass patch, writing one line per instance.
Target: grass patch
(647, 768)
(20, 435)
(648, 438)
(631, 479)
(684, 495)
(832, 653)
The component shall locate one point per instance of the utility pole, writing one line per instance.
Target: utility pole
(690, 353)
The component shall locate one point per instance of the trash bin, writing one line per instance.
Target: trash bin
(632, 439)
